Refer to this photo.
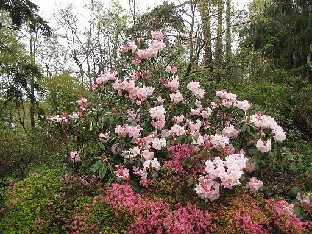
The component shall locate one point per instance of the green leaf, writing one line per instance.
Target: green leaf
(294, 190)
(293, 168)
(96, 166)
(111, 120)
(102, 146)
(298, 211)
(185, 161)
(244, 128)
(102, 171)
(190, 181)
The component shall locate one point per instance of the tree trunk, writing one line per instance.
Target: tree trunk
(32, 112)
(204, 9)
(228, 40)
(219, 43)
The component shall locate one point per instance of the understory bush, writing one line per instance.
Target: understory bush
(49, 202)
(20, 150)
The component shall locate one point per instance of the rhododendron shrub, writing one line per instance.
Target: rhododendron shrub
(139, 111)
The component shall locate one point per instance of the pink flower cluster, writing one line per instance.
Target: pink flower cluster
(284, 217)
(74, 156)
(304, 199)
(226, 99)
(180, 153)
(131, 131)
(103, 78)
(149, 52)
(134, 92)
(194, 87)
(156, 216)
(264, 121)
(158, 115)
(122, 173)
(245, 219)
(254, 184)
(171, 69)
(228, 171)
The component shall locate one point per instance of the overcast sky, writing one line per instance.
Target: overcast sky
(48, 7)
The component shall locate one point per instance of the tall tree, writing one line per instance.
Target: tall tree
(228, 39)
(219, 44)
(93, 48)
(19, 76)
(205, 13)
(284, 34)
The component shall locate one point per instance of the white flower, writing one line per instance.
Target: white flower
(159, 143)
(254, 184)
(264, 146)
(219, 141)
(243, 105)
(151, 164)
(230, 131)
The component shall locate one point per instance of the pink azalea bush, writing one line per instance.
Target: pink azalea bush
(46, 203)
(253, 214)
(156, 215)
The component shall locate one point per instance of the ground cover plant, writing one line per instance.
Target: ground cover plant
(154, 153)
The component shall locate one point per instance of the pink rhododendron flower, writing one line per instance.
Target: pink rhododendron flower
(157, 112)
(136, 61)
(195, 111)
(103, 78)
(171, 69)
(176, 97)
(81, 101)
(243, 105)
(157, 35)
(230, 131)
(151, 164)
(264, 146)
(74, 156)
(207, 189)
(121, 173)
(206, 113)
(194, 87)
(131, 153)
(147, 155)
(219, 141)
(173, 84)
(157, 46)
(104, 136)
(129, 46)
(74, 115)
(254, 184)
(231, 178)
(279, 134)
(304, 199)
(159, 123)
(221, 93)
(263, 121)
(177, 130)
(158, 143)
(179, 119)
(194, 126)
(229, 170)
